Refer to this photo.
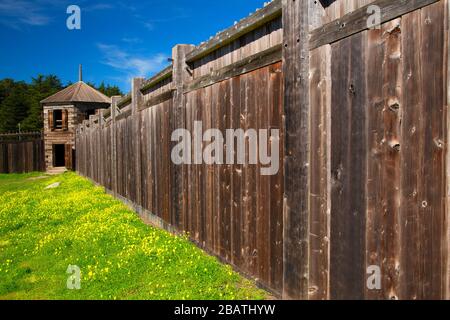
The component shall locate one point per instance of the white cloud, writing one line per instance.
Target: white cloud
(131, 40)
(14, 13)
(97, 7)
(18, 13)
(130, 64)
(149, 26)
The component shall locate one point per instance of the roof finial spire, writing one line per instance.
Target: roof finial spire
(80, 73)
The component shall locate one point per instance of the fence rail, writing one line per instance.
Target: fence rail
(363, 186)
(15, 136)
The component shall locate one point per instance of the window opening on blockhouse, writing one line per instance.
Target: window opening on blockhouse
(57, 119)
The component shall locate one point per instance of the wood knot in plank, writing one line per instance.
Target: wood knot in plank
(352, 89)
(394, 145)
(439, 143)
(394, 105)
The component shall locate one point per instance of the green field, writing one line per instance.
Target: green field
(42, 232)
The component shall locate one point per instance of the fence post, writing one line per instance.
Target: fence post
(136, 103)
(84, 124)
(296, 20)
(75, 143)
(180, 76)
(114, 101)
(101, 167)
(447, 258)
(91, 150)
(100, 117)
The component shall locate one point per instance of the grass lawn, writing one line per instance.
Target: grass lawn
(42, 232)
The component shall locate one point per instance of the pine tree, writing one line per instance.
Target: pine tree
(15, 107)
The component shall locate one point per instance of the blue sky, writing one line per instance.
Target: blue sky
(117, 41)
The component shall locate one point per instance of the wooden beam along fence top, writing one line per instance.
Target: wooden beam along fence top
(107, 113)
(22, 136)
(271, 11)
(158, 78)
(31, 133)
(125, 101)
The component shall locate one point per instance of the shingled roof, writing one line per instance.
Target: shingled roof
(78, 92)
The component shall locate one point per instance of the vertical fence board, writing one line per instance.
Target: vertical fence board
(296, 102)
(225, 94)
(384, 145)
(252, 176)
(348, 170)
(236, 177)
(263, 213)
(446, 252)
(432, 20)
(276, 182)
(412, 175)
(320, 83)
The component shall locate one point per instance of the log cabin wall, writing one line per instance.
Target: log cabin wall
(363, 183)
(62, 136)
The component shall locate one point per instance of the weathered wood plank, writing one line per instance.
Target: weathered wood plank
(263, 200)
(180, 76)
(189, 191)
(154, 152)
(202, 115)
(245, 189)
(276, 111)
(174, 216)
(320, 99)
(236, 201)
(226, 174)
(348, 169)
(195, 234)
(375, 232)
(447, 88)
(166, 162)
(252, 175)
(433, 204)
(413, 144)
(114, 101)
(296, 175)
(151, 148)
(357, 21)
(137, 103)
(384, 158)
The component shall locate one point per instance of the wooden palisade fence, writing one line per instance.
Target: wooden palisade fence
(21, 152)
(364, 179)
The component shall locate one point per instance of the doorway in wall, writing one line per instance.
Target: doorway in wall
(59, 155)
